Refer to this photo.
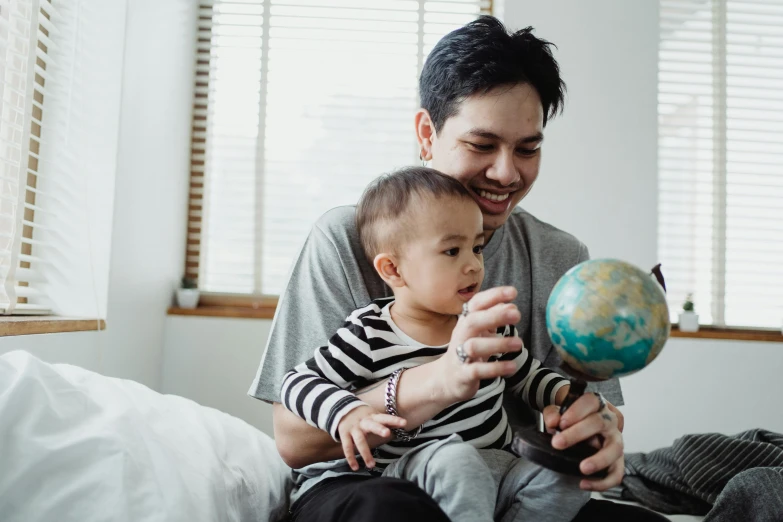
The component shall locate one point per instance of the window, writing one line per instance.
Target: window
(298, 105)
(24, 42)
(61, 67)
(720, 114)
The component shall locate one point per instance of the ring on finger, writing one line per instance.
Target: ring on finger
(601, 402)
(465, 309)
(462, 354)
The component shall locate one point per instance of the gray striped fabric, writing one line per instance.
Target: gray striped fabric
(696, 473)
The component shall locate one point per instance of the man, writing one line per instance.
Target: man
(486, 96)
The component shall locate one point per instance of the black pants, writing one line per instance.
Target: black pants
(362, 498)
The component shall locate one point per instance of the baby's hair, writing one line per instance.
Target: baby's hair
(381, 210)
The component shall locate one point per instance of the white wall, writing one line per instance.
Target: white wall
(598, 178)
(152, 180)
(213, 361)
(150, 199)
(697, 386)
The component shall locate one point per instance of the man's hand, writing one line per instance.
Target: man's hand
(355, 427)
(583, 421)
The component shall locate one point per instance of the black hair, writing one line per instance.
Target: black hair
(387, 198)
(482, 55)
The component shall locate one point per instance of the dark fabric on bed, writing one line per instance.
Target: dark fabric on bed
(755, 494)
(699, 471)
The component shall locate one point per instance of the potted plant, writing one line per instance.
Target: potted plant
(689, 319)
(187, 293)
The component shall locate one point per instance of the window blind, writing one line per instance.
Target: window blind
(25, 28)
(720, 114)
(298, 105)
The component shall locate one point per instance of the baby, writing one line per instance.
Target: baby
(423, 233)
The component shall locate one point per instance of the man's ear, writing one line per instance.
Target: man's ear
(425, 133)
(386, 266)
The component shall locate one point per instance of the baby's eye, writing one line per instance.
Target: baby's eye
(478, 249)
(451, 252)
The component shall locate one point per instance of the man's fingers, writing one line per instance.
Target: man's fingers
(614, 478)
(584, 406)
(596, 424)
(484, 347)
(347, 443)
(610, 453)
(489, 298)
(618, 414)
(364, 449)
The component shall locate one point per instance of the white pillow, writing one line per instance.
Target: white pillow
(78, 446)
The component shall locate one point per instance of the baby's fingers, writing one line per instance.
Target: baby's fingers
(364, 449)
(370, 426)
(348, 451)
(392, 421)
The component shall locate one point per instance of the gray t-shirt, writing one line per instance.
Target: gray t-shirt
(332, 277)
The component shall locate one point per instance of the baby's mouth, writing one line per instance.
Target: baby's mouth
(469, 289)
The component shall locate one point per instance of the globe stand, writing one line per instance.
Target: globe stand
(536, 446)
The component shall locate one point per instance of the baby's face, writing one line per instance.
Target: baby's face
(442, 262)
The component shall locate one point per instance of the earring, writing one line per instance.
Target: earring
(423, 161)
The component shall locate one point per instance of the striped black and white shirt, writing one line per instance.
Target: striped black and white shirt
(370, 346)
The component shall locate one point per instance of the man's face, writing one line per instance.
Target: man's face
(493, 146)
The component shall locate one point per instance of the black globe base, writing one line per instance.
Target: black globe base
(536, 446)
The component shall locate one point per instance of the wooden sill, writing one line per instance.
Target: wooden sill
(254, 307)
(733, 334)
(47, 324)
(238, 306)
(225, 311)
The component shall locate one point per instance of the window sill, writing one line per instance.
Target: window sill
(237, 312)
(46, 324)
(731, 334)
(242, 307)
(247, 307)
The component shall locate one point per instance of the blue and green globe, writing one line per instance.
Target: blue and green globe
(607, 318)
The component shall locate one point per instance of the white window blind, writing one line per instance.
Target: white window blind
(720, 113)
(299, 104)
(25, 27)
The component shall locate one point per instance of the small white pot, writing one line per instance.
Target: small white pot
(689, 322)
(187, 297)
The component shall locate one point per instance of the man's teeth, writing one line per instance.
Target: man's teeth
(492, 197)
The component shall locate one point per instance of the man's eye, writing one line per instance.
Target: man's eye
(451, 252)
(481, 147)
(478, 249)
(528, 152)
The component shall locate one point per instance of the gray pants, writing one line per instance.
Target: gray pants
(483, 485)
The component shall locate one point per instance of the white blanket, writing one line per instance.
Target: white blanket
(78, 446)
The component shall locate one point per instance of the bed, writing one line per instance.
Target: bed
(76, 446)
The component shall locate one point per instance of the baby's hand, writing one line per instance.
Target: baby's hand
(355, 427)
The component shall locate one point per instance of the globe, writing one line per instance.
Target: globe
(607, 318)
